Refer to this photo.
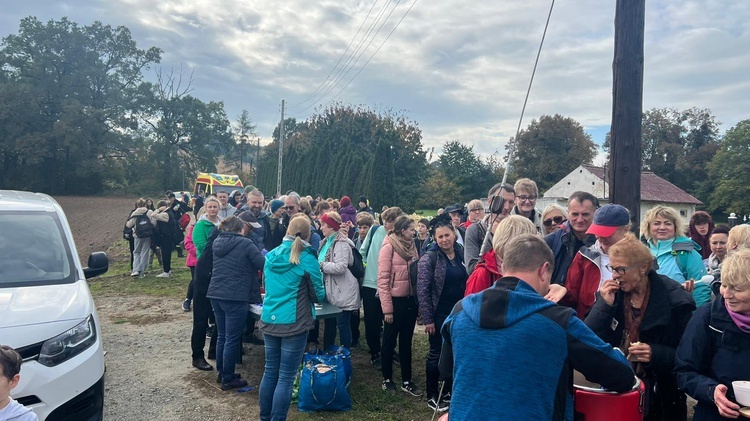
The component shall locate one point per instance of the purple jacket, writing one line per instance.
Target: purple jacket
(348, 213)
(431, 279)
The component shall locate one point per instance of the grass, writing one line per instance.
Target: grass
(369, 401)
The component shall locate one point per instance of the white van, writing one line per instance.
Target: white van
(46, 310)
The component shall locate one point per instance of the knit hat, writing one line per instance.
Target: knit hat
(362, 199)
(275, 205)
(345, 201)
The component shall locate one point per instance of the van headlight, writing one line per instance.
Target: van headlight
(68, 344)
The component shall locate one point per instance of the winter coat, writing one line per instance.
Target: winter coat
(393, 276)
(431, 271)
(564, 245)
(349, 214)
(153, 216)
(582, 281)
(259, 234)
(713, 351)
(485, 274)
(204, 267)
(370, 251)
(669, 264)
(169, 230)
(536, 218)
(192, 258)
(237, 261)
(201, 231)
(510, 335)
(342, 288)
(290, 291)
(669, 309)
(275, 233)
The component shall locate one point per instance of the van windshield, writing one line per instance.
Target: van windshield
(33, 250)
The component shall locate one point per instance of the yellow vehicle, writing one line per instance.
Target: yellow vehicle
(210, 183)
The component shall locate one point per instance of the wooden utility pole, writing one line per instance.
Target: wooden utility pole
(627, 107)
(281, 148)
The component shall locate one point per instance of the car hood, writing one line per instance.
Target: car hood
(24, 307)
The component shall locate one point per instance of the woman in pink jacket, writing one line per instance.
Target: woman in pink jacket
(191, 261)
(398, 301)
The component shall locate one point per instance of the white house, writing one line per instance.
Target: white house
(654, 191)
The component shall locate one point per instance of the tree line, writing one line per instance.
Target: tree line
(77, 116)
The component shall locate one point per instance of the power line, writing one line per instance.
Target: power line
(342, 55)
(348, 65)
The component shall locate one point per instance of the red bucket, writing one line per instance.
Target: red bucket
(594, 403)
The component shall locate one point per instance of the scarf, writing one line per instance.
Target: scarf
(324, 250)
(741, 320)
(405, 249)
(632, 325)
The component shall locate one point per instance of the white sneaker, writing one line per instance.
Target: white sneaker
(164, 275)
(134, 274)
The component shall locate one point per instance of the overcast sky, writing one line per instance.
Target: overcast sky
(459, 69)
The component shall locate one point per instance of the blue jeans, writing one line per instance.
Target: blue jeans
(230, 321)
(283, 357)
(343, 323)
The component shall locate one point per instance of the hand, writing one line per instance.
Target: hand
(640, 353)
(344, 228)
(388, 318)
(608, 290)
(726, 407)
(162, 208)
(429, 329)
(689, 285)
(556, 293)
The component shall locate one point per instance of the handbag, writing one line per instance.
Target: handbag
(323, 384)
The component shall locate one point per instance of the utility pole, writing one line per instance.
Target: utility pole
(281, 148)
(627, 107)
(257, 160)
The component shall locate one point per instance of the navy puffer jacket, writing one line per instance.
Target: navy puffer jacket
(237, 261)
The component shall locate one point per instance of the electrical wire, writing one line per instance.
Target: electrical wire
(526, 100)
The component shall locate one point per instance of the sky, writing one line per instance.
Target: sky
(459, 69)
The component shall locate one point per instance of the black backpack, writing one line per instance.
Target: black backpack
(357, 268)
(127, 233)
(143, 227)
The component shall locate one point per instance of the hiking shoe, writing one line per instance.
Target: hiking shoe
(438, 406)
(186, 305)
(164, 275)
(218, 378)
(202, 364)
(411, 389)
(389, 387)
(135, 273)
(375, 361)
(236, 383)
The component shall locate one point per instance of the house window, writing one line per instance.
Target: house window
(683, 212)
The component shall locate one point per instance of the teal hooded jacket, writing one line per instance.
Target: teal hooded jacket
(667, 255)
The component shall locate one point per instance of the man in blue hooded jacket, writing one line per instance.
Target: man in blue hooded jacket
(511, 353)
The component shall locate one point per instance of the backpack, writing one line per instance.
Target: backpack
(681, 252)
(414, 270)
(143, 227)
(127, 233)
(357, 268)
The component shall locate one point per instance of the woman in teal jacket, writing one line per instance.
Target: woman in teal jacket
(677, 256)
(293, 283)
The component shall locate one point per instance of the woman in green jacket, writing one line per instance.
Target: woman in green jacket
(205, 224)
(293, 283)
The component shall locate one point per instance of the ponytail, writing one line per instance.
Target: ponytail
(297, 247)
(299, 228)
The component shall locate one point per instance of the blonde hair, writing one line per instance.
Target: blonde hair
(735, 269)
(634, 251)
(554, 207)
(140, 203)
(526, 184)
(508, 229)
(304, 204)
(390, 214)
(663, 212)
(299, 228)
(475, 204)
(739, 237)
(364, 218)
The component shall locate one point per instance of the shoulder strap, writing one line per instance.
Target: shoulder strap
(681, 251)
(369, 240)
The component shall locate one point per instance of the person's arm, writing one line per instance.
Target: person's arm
(478, 281)
(365, 247)
(200, 238)
(131, 220)
(695, 267)
(255, 257)
(445, 364)
(425, 282)
(339, 259)
(693, 358)
(596, 360)
(601, 320)
(189, 245)
(385, 261)
(472, 244)
(312, 270)
(663, 356)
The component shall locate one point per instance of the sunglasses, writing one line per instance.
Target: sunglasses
(557, 220)
(290, 207)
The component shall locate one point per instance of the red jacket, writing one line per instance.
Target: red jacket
(582, 281)
(485, 274)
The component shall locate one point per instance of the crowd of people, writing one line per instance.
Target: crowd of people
(496, 286)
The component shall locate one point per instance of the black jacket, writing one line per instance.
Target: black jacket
(713, 351)
(204, 267)
(237, 261)
(669, 309)
(274, 235)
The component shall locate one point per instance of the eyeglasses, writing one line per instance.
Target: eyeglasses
(557, 220)
(529, 199)
(620, 270)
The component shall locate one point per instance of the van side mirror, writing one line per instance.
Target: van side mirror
(98, 264)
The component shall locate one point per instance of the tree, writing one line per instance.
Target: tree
(243, 150)
(729, 172)
(438, 190)
(550, 148)
(465, 169)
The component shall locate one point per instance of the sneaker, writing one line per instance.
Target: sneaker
(142, 275)
(446, 398)
(218, 378)
(236, 383)
(136, 273)
(438, 406)
(411, 389)
(186, 305)
(389, 387)
(164, 275)
(375, 361)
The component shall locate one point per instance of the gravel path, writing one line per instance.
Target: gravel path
(149, 375)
